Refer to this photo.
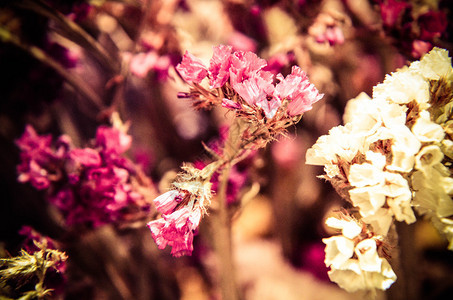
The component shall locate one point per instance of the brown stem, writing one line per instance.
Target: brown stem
(221, 226)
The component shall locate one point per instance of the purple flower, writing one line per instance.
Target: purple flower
(219, 66)
(192, 69)
(88, 186)
(176, 230)
(38, 159)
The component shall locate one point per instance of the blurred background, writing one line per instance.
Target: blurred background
(65, 66)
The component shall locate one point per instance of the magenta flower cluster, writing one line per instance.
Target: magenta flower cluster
(415, 29)
(89, 186)
(177, 226)
(245, 73)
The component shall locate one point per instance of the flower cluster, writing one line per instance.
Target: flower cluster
(182, 209)
(238, 81)
(415, 27)
(355, 257)
(394, 152)
(90, 186)
(327, 29)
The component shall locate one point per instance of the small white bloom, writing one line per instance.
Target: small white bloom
(369, 199)
(377, 159)
(428, 157)
(331, 170)
(383, 279)
(338, 250)
(434, 65)
(401, 208)
(349, 228)
(350, 277)
(341, 142)
(427, 131)
(396, 185)
(403, 87)
(380, 221)
(361, 175)
(369, 259)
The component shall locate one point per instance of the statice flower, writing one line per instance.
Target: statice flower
(355, 257)
(327, 29)
(182, 209)
(415, 28)
(90, 186)
(393, 154)
(237, 80)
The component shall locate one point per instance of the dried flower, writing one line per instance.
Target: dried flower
(388, 159)
(90, 186)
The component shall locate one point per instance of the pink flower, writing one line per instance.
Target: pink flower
(176, 230)
(113, 140)
(244, 65)
(242, 42)
(86, 157)
(219, 66)
(230, 104)
(168, 201)
(391, 11)
(192, 69)
(296, 88)
(38, 159)
(259, 92)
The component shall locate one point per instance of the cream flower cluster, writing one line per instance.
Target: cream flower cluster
(354, 259)
(395, 152)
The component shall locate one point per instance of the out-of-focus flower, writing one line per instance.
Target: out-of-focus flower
(142, 63)
(414, 28)
(90, 186)
(392, 11)
(326, 29)
(38, 160)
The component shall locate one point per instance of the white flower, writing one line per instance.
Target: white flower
(341, 142)
(403, 87)
(338, 250)
(361, 112)
(350, 277)
(354, 107)
(427, 131)
(405, 146)
(349, 228)
(377, 159)
(369, 199)
(434, 65)
(365, 174)
(380, 221)
(369, 259)
(428, 157)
